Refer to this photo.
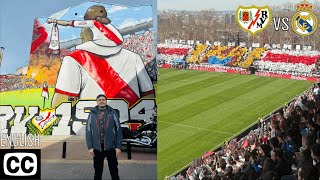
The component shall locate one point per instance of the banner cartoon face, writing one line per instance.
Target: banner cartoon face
(253, 19)
(77, 54)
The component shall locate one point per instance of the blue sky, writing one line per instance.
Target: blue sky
(17, 17)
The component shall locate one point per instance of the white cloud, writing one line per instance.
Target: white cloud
(137, 9)
(72, 37)
(132, 22)
(116, 8)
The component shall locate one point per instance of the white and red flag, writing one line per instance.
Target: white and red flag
(45, 92)
(54, 40)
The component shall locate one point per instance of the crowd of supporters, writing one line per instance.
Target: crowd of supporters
(255, 54)
(290, 62)
(285, 145)
(217, 66)
(143, 44)
(11, 83)
(167, 53)
(168, 59)
(299, 63)
(297, 69)
(197, 53)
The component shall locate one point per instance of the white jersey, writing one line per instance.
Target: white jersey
(74, 80)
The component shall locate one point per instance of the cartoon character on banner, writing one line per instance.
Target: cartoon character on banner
(100, 65)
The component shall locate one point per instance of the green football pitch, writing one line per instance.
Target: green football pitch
(27, 97)
(198, 110)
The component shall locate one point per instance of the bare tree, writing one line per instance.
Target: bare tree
(212, 25)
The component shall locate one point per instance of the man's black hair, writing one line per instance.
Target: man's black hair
(101, 95)
(266, 149)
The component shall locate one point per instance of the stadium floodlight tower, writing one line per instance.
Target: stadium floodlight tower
(1, 54)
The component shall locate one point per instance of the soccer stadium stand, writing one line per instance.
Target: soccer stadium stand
(167, 53)
(12, 82)
(295, 63)
(223, 55)
(255, 54)
(197, 53)
(299, 63)
(173, 49)
(284, 145)
(238, 57)
(292, 56)
(143, 44)
(168, 59)
(286, 68)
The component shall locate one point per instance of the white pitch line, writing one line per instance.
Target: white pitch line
(196, 127)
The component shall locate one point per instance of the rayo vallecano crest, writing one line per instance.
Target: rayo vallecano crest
(304, 22)
(253, 19)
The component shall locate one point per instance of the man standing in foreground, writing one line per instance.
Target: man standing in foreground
(104, 137)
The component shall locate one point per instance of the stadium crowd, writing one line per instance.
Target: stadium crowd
(195, 66)
(286, 145)
(290, 62)
(143, 44)
(299, 63)
(167, 53)
(15, 83)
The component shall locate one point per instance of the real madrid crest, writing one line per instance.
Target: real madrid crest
(253, 19)
(304, 22)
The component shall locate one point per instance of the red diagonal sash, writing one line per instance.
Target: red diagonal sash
(105, 76)
(108, 33)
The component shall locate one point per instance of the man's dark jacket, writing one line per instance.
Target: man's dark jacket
(112, 130)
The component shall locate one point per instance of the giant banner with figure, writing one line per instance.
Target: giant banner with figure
(77, 53)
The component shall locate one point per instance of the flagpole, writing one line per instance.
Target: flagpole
(45, 93)
(44, 102)
(1, 54)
